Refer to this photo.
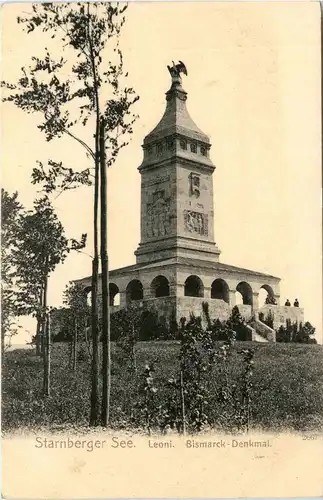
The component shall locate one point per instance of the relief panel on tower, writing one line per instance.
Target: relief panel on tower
(196, 223)
(158, 215)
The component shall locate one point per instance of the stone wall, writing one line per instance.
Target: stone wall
(167, 307)
(187, 305)
(264, 330)
(282, 313)
(245, 311)
(164, 306)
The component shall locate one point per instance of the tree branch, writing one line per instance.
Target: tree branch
(88, 149)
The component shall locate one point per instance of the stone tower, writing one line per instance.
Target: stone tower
(177, 217)
(177, 265)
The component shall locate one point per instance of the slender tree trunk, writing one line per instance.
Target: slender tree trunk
(94, 414)
(47, 356)
(75, 345)
(39, 324)
(182, 404)
(71, 349)
(87, 342)
(46, 341)
(106, 354)
(38, 336)
(95, 405)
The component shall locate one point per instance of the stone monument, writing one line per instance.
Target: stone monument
(177, 261)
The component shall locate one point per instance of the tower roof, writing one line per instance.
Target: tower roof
(176, 119)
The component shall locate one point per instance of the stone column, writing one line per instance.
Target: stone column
(207, 292)
(123, 299)
(255, 301)
(148, 293)
(176, 289)
(277, 298)
(232, 298)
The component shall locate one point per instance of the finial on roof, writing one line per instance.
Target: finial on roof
(175, 71)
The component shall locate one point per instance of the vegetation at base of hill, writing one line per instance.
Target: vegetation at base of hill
(84, 87)
(294, 332)
(146, 325)
(287, 387)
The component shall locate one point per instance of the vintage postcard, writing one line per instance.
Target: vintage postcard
(161, 250)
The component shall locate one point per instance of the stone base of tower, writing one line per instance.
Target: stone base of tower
(177, 287)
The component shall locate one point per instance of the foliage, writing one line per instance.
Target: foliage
(294, 332)
(76, 301)
(62, 103)
(238, 324)
(125, 328)
(148, 325)
(40, 246)
(152, 327)
(190, 395)
(61, 324)
(11, 209)
(271, 300)
(287, 392)
(194, 368)
(268, 320)
(147, 395)
(82, 87)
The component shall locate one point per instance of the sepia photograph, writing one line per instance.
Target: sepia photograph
(161, 249)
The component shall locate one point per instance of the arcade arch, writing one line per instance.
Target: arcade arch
(160, 287)
(266, 293)
(245, 292)
(134, 291)
(194, 287)
(114, 295)
(220, 290)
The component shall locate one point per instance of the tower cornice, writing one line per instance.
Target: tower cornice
(204, 165)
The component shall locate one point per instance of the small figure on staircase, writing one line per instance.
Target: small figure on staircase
(296, 303)
(287, 303)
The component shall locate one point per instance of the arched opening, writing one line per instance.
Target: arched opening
(134, 290)
(266, 295)
(245, 291)
(160, 287)
(194, 287)
(220, 290)
(114, 295)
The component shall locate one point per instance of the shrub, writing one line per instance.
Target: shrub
(268, 320)
(293, 332)
(238, 324)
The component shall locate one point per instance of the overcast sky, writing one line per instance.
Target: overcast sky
(253, 86)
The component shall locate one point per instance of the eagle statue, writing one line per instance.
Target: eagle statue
(177, 69)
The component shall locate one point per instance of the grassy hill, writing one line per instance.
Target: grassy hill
(287, 387)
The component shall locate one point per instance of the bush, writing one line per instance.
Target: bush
(287, 391)
(268, 320)
(293, 332)
(238, 324)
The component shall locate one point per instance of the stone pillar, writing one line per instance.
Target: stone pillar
(123, 299)
(176, 289)
(277, 298)
(207, 292)
(148, 293)
(232, 298)
(255, 301)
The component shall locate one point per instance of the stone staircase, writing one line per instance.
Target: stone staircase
(260, 332)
